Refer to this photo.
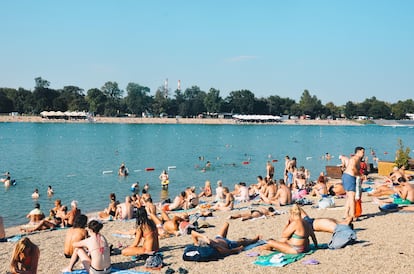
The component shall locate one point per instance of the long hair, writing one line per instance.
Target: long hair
(20, 247)
(295, 211)
(142, 219)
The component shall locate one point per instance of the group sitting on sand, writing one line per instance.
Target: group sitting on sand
(267, 198)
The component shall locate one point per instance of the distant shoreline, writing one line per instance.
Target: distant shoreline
(201, 121)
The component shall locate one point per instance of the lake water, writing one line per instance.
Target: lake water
(72, 157)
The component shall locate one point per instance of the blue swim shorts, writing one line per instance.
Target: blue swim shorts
(231, 244)
(349, 182)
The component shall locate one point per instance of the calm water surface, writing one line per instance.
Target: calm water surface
(72, 157)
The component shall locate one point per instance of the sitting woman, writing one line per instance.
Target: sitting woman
(295, 235)
(146, 230)
(255, 213)
(25, 257)
(320, 189)
(98, 257)
(207, 191)
(110, 211)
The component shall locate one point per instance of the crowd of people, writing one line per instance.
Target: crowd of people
(153, 222)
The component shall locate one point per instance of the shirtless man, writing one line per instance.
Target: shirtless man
(166, 225)
(35, 216)
(283, 195)
(270, 192)
(149, 206)
(270, 170)
(69, 218)
(405, 194)
(228, 203)
(177, 204)
(75, 234)
(124, 211)
(349, 178)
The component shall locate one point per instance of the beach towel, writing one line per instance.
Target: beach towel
(128, 236)
(258, 243)
(114, 270)
(280, 259)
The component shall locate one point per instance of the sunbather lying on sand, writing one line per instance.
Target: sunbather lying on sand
(221, 244)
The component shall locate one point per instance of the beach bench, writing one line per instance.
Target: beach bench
(333, 172)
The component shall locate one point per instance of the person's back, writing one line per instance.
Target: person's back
(75, 234)
(99, 252)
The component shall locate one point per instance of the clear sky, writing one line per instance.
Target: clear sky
(338, 50)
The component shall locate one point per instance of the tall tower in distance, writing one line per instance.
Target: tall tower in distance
(179, 85)
(166, 88)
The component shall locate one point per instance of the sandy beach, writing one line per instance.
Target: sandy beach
(385, 244)
(134, 120)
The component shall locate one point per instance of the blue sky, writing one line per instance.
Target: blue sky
(338, 50)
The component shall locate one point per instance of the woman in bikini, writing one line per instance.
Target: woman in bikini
(25, 257)
(146, 230)
(97, 258)
(295, 235)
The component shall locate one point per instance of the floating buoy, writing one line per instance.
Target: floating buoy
(246, 162)
(172, 167)
(308, 158)
(107, 171)
(149, 169)
(137, 170)
(385, 152)
(274, 160)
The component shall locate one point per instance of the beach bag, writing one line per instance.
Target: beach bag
(326, 202)
(154, 261)
(342, 236)
(200, 253)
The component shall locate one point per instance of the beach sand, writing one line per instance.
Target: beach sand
(132, 120)
(385, 245)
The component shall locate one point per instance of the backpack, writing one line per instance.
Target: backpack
(154, 261)
(342, 236)
(200, 253)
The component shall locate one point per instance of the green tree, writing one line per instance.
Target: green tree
(41, 83)
(6, 104)
(401, 108)
(160, 103)
(96, 100)
(310, 105)
(241, 101)
(194, 101)
(350, 110)
(137, 100)
(213, 101)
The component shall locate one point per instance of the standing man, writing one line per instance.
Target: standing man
(349, 178)
(270, 170)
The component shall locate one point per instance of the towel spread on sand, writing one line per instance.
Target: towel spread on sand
(128, 236)
(258, 243)
(280, 259)
(114, 270)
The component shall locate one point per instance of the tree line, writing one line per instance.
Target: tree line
(109, 100)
